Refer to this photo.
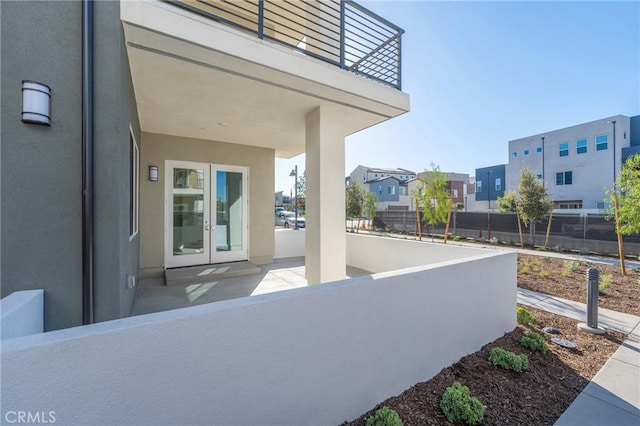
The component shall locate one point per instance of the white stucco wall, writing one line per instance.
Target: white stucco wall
(289, 243)
(22, 314)
(311, 356)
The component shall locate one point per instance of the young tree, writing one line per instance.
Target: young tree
(418, 195)
(369, 206)
(624, 201)
(302, 188)
(435, 199)
(509, 203)
(533, 202)
(354, 201)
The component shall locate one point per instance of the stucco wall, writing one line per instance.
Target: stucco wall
(318, 355)
(41, 166)
(22, 314)
(261, 163)
(382, 254)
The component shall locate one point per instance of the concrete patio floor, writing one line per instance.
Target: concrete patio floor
(283, 274)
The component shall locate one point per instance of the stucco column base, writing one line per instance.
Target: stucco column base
(325, 244)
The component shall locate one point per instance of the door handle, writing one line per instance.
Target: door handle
(206, 225)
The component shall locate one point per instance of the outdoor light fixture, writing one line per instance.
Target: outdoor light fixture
(36, 103)
(153, 173)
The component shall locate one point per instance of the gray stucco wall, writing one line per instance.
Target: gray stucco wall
(114, 114)
(41, 166)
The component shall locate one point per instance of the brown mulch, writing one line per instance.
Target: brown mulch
(567, 279)
(538, 396)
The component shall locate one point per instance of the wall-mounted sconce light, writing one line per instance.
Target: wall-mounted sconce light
(153, 173)
(36, 103)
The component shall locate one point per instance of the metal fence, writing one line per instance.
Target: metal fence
(342, 33)
(570, 231)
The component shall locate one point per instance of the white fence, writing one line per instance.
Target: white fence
(318, 355)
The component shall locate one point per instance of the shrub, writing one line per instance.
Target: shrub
(384, 416)
(571, 266)
(458, 405)
(544, 274)
(499, 357)
(535, 342)
(606, 280)
(525, 317)
(585, 251)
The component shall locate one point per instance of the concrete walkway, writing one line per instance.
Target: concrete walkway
(613, 395)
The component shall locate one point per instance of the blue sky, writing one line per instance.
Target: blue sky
(482, 73)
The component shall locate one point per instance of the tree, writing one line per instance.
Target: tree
(354, 202)
(302, 188)
(533, 203)
(434, 199)
(509, 203)
(624, 203)
(369, 206)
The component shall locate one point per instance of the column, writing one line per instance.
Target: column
(325, 242)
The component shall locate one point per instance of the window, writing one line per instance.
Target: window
(539, 175)
(479, 186)
(526, 152)
(379, 189)
(581, 146)
(564, 178)
(539, 150)
(134, 185)
(563, 149)
(602, 142)
(454, 193)
(391, 190)
(514, 154)
(498, 185)
(600, 205)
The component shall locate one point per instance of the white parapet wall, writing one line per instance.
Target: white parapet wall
(381, 254)
(22, 314)
(317, 355)
(289, 243)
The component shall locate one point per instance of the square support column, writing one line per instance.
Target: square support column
(325, 245)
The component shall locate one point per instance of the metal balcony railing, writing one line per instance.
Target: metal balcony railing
(342, 33)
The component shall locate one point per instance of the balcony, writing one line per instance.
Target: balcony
(341, 33)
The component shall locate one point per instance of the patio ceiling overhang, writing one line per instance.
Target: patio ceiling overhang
(257, 96)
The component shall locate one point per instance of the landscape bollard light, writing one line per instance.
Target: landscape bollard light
(593, 282)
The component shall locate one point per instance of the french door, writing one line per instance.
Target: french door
(205, 213)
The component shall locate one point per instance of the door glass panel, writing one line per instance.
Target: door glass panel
(229, 211)
(188, 211)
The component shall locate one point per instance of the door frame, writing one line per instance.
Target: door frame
(209, 255)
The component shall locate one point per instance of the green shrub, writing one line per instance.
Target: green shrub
(459, 406)
(535, 342)
(571, 265)
(606, 280)
(544, 274)
(384, 416)
(525, 317)
(508, 360)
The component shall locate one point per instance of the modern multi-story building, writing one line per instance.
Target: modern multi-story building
(489, 184)
(151, 129)
(388, 185)
(576, 163)
(363, 174)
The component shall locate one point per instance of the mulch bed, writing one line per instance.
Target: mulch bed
(567, 279)
(537, 396)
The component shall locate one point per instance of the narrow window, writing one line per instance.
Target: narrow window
(498, 182)
(563, 149)
(581, 146)
(539, 150)
(526, 152)
(539, 175)
(514, 154)
(479, 186)
(602, 142)
(559, 178)
(568, 178)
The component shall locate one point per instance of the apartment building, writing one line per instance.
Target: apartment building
(487, 186)
(577, 163)
(152, 128)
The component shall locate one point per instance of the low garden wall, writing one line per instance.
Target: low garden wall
(317, 355)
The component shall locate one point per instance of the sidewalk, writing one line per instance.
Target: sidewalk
(613, 395)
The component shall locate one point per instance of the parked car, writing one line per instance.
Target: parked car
(288, 219)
